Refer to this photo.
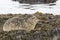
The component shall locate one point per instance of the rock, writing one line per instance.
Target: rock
(12, 35)
(54, 33)
(20, 35)
(34, 35)
(35, 1)
(46, 21)
(25, 22)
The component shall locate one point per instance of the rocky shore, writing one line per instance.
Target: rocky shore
(48, 28)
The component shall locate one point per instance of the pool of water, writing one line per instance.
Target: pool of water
(9, 6)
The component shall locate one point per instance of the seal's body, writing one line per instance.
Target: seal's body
(24, 22)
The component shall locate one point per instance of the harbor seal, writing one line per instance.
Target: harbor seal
(25, 22)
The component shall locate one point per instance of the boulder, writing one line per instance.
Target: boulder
(35, 1)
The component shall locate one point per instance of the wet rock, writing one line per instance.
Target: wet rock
(35, 1)
(54, 33)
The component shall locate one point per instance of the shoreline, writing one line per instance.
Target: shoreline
(29, 13)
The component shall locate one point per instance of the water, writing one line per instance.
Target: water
(8, 6)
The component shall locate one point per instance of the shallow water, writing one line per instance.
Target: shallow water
(9, 6)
